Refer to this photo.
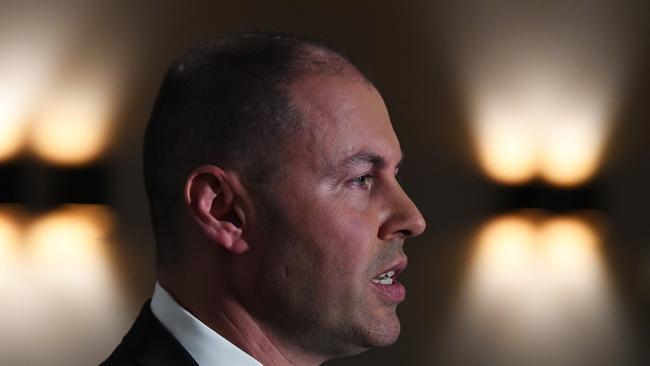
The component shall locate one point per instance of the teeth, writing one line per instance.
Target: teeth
(385, 279)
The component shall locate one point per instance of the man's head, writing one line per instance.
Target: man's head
(270, 165)
(225, 103)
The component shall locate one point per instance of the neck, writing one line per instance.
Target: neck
(222, 312)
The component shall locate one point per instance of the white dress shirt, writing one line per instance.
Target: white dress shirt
(205, 345)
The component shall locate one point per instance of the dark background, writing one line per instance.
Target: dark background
(405, 47)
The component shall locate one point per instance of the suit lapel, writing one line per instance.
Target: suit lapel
(148, 343)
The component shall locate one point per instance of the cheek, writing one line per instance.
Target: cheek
(352, 239)
(333, 241)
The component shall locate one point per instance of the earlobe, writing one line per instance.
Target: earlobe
(210, 199)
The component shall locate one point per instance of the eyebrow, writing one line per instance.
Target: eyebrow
(369, 158)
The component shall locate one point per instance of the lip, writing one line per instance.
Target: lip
(396, 292)
(399, 266)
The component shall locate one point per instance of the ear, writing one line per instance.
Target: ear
(211, 201)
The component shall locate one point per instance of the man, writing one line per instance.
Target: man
(270, 166)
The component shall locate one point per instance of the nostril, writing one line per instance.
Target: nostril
(405, 233)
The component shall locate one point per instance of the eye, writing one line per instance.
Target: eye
(363, 181)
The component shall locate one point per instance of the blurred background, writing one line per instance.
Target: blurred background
(524, 125)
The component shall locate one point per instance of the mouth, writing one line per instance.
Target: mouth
(389, 275)
(385, 278)
(386, 282)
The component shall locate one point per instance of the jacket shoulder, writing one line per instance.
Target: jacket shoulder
(149, 343)
(116, 361)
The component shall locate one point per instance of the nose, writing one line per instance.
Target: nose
(402, 219)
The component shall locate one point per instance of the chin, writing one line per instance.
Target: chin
(358, 334)
(385, 334)
(387, 339)
(379, 334)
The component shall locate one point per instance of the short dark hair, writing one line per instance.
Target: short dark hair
(225, 103)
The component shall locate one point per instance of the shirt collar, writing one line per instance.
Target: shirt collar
(206, 346)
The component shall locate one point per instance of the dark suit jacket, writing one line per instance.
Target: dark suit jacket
(148, 343)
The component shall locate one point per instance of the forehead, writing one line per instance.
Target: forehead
(342, 116)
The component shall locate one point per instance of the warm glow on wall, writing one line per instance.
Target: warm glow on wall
(73, 127)
(19, 293)
(26, 65)
(12, 130)
(522, 132)
(68, 248)
(573, 150)
(541, 84)
(12, 258)
(70, 237)
(507, 150)
(10, 239)
(29, 55)
(571, 249)
(516, 251)
(505, 251)
(61, 77)
(56, 96)
(537, 291)
(58, 285)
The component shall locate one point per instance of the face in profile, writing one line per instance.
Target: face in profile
(334, 228)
